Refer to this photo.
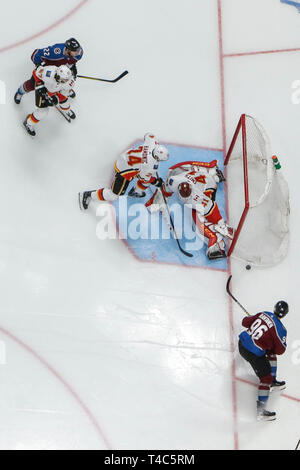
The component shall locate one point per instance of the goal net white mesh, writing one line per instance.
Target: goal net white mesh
(258, 197)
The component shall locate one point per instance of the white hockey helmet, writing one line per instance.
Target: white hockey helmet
(161, 153)
(63, 74)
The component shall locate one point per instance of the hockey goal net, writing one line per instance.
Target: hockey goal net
(258, 197)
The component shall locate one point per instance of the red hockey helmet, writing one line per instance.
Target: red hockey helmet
(185, 189)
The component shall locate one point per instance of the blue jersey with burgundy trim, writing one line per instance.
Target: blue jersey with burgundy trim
(265, 334)
(55, 55)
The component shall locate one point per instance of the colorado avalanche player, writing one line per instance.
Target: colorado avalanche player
(68, 53)
(264, 339)
(195, 184)
(52, 87)
(141, 163)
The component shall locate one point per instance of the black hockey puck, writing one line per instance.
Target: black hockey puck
(248, 267)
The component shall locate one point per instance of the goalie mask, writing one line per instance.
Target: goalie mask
(63, 74)
(161, 153)
(185, 190)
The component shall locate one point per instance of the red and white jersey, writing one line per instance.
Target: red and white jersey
(139, 162)
(203, 179)
(47, 76)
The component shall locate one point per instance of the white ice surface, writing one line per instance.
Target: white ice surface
(100, 349)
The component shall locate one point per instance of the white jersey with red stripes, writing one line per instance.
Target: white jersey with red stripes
(139, 162)
(203, 180)
(47, 75)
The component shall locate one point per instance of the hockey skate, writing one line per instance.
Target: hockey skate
(134, 193)
(276, 385)
(71, 114)
(263, 414)
(216, 251)
(18, 97)
(68, 115)
(29, 128)
(216, 254)
(84, 200)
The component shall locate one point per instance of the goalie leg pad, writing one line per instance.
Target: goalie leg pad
(204, 229)
(214, 215)
(216, 245)
(222, 228)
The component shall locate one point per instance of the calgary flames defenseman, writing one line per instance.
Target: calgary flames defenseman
(195, 183)
(140, 164)
(52, 88)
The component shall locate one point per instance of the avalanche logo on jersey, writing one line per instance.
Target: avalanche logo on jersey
(150, 240)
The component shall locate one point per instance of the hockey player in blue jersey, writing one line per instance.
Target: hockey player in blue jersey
(68, 53)
(260, 345)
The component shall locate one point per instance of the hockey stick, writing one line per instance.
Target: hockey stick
(103, 80)
(232, 296)
(297, 446)
(186, 253)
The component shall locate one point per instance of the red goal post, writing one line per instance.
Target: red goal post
(258, 197)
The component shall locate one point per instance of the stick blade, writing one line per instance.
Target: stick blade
(228, 284)
(121, 76)
(186, 253)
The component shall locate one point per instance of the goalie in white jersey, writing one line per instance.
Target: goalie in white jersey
(52, 88)
(140, 164)
(195, 183)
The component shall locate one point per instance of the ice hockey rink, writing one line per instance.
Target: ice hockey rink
(98, 349)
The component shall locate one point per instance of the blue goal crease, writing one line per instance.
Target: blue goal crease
(164, 249)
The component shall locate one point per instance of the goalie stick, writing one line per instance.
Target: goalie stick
(232, 296)
(172, 227)
(104, 80)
